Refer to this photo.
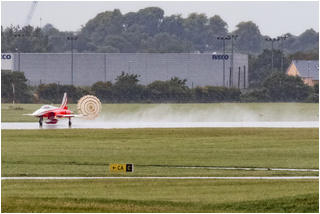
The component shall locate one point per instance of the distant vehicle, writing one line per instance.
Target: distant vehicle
(52, 113)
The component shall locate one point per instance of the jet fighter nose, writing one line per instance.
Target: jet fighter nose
(36, 113)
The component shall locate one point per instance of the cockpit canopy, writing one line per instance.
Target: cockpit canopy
(47, 107)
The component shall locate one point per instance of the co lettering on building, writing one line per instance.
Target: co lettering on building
(5, 56)
(216, 56)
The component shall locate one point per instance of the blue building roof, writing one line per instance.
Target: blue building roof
(304, 65)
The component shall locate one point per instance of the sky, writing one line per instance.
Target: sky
(274, 18)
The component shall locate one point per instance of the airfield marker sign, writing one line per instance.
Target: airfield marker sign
(121, 167)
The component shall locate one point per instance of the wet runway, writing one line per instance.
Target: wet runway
(80, 124)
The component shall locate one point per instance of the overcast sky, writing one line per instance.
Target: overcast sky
(274, 18)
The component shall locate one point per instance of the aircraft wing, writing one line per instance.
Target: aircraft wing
(69, 115)
(28, 114)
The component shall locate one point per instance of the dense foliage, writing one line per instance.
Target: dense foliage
(148, 30)
(276, 88)
(14, 87)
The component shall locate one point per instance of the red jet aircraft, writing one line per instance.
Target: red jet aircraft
(52, 113)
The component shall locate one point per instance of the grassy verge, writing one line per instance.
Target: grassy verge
(160, 196)
(156, 152)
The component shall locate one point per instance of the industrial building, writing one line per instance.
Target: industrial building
(84, 69)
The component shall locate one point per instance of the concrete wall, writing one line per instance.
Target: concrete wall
(198, 69)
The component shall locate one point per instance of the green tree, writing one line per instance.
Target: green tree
(209, 94)
(53, 93)
(249, 37)
(309, 39)
(103, 90)
(216, 28)
(284, 88)
(150, 18)
(179, 91)
(111, 31)
(16, 79)
(316, 88)
(158, 91)
(27, 40)
(301, 55)
(126, 88)
(49, 93)
(119, 44)
(104, 24)
(7, 42)
(196, 30)
(173, 25)
(260, 66)
(57, 41)
(165, 43)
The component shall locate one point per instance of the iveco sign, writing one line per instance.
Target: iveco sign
(217, 56)
(5, 56)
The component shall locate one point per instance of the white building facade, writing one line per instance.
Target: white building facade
(88, 68)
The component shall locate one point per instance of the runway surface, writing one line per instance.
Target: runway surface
(168, 178)
(80, 124)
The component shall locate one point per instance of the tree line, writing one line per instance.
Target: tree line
(279, 87)
(149, 31)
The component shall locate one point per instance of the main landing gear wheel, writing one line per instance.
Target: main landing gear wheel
(89, 106)
(70, 122)
(40, 121)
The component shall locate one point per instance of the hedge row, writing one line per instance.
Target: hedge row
(277, 88)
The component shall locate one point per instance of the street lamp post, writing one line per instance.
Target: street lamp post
(308, 72)
(129, 66)
(282, 38)
(19, 36)
(224, 52)
(272, 40)
(232, 37)
(72, 38)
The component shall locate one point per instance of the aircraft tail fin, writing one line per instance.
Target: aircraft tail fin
(64, 104)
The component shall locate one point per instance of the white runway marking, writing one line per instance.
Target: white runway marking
(169, 178)
(128, 125)
(247, 168)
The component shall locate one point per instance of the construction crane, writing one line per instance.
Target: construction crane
(30, 14)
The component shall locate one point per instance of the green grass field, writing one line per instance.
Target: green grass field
(154, 152)
(158, 152)
(163, 153)
(249, 196)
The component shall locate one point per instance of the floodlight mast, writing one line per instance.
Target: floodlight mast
(72, 38)
(282, 38)
(233, 37)
(19, 36)
(272, 40)
(224, 52)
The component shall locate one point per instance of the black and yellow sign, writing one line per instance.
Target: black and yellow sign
(121, 167)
